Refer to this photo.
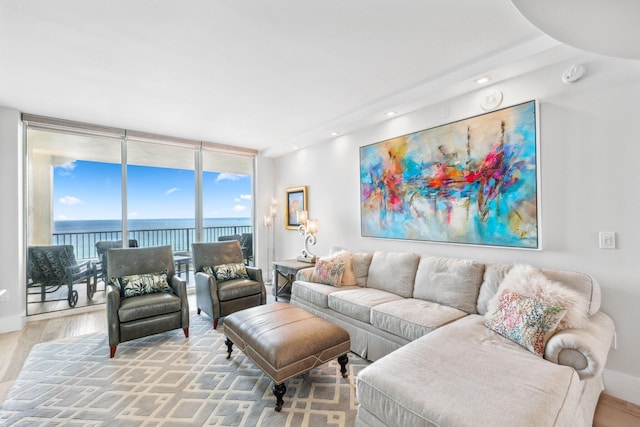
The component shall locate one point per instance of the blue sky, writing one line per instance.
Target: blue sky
(90, 190)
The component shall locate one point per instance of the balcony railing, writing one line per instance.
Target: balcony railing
(180, 239)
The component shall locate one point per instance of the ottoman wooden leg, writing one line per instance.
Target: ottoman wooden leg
(229, 347)
(343, 360)
(279, 390)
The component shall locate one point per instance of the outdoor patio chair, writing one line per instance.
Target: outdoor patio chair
(229, 237)
(246, 243)
(233, 287)
(144, 295)
(54, 266)
(101, 251)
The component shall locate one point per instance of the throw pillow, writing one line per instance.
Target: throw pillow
(142, 284)
(525, 321)
(348, 275)
(531, 282)
(330, 269)
(230, 271)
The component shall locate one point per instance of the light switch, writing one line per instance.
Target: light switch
(607, 240)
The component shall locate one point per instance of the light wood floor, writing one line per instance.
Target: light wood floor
(610, 412)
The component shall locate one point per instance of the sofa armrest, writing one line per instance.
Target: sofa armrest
(583, 349)
(113, 321)
(179, 286)
(304, 274)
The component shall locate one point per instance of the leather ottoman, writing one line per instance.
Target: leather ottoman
(285, 341)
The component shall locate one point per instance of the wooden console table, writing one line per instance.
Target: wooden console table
(285, 270)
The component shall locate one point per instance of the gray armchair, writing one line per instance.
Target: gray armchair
(129, 318)
(101, 251)
(221, 298)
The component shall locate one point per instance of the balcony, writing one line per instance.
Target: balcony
(84, 244)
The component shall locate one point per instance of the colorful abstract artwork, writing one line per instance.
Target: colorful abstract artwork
(474, 181)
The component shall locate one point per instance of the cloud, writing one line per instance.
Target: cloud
(132, 214)
(239, 208)
(171, 190)
(66, 169)
(70, 200)
(62, 217)
(229, 177)
(245, 196)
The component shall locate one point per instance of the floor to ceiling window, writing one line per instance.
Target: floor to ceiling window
(227, 199)
(83, 180)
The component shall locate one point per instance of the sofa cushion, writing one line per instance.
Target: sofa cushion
(150, 305)
(315, 293)
(238, 288)
(393, 272)
(360, 262)
(582, 283)
(494, 274)
(357, 303)
(412, 318)
(525, 321)
(464, 374)
(449, 281)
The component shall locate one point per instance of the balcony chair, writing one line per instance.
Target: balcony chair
(218, 297)
(101, 251)
(246, 243)
(154, 307)
(52, 267)
(229, 237)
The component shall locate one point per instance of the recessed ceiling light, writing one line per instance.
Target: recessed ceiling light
(334, 133)
(390, 113)
(295, 147)
(483, 80)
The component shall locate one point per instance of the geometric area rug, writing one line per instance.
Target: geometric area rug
(170, 380)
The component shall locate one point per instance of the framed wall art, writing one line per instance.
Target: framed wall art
(296, 200)
(474, 181)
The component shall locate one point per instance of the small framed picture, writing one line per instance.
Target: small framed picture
(296, 201)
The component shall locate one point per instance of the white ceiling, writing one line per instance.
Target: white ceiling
(261, 74)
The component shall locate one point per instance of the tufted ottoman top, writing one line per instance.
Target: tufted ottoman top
(285, 341)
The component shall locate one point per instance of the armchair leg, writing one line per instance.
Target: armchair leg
(199, 310)
(215, 323)
(186, 332)
(112, 351)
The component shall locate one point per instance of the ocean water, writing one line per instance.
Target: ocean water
(113, 225)
(179, 233)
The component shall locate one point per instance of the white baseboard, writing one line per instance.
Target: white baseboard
(622, 386)
(11, 323)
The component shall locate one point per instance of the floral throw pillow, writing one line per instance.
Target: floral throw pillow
(142, 284)
(329, 269)
(525, 321)
(231, 271)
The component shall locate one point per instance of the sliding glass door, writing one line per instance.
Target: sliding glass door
(227, 199)
(73, 201)
(88, 191)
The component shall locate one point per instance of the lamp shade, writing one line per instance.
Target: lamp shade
(302, 217)
(312, 226)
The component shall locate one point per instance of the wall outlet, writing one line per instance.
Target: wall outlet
(4, 295)
(614, 341)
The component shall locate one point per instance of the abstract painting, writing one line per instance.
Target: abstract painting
(474, 181)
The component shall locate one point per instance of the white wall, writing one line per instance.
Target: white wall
(11, 311)
(589, 171)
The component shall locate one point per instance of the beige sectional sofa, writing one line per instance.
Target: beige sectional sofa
(422, 320)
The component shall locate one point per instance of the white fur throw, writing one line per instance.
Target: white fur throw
(531, 282)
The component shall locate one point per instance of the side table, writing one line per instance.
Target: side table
(286, 270)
